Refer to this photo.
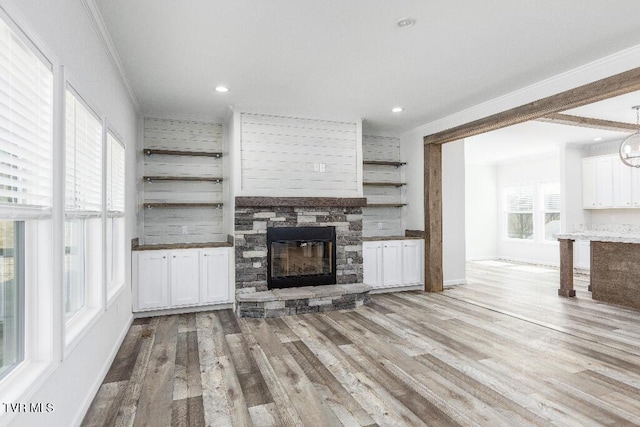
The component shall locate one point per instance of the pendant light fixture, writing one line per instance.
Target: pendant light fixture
(630, 146)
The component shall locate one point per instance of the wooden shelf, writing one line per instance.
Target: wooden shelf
(152, 205)
(383, 163)
(181, 178)
(151, 151)
(386, 205)
(385, 184)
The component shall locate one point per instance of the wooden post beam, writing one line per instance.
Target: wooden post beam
(622, 83)
(566, 268)
(588, 122)
(433, 281)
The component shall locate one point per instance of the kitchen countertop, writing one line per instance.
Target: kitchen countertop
(601, 236)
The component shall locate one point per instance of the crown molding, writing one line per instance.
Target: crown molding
(607, 66)
(103, 34)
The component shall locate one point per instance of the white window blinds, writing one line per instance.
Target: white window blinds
(551, 194)
(83, 193)
(26, 116)
(520, 198)
(115, 175)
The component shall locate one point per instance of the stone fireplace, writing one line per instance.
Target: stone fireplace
(257, 218)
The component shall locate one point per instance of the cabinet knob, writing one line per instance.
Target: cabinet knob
(164, 257)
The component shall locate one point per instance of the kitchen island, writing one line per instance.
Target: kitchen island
(615, 265)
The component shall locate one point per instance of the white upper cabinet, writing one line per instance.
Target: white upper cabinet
(608, 183)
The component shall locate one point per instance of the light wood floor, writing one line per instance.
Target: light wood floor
(503, 350)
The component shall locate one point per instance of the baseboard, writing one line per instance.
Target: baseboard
(397, 289)
(181, 310)
(529, 261)
(455, 282)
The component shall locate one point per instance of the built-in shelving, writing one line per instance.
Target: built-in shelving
(383, 163)
(384, 184)
(182, 178)
(152, 205)
(386, 205)
(152, 151)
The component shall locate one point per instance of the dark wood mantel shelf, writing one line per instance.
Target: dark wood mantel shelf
(347, 202)
(386, 205)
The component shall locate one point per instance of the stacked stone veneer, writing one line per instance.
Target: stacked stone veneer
(251, 225)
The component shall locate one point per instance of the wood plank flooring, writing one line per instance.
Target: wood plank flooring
(503, 350)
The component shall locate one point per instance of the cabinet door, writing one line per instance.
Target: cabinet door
(372, 263)
(635, 187)
(604, 182)
(392, 263)
(153, 280)
(589, 183)
(185, 278)
(214, 275)
(412, 262)
(622, 185)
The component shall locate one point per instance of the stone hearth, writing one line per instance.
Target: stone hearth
(253, 215)
(303, 300)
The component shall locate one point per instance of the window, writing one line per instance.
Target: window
(551, 209)
(519, 209)
(11, 294)
(26, 135)
(115, 213)
(83, 204)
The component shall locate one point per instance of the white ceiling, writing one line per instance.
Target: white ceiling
(347, 59)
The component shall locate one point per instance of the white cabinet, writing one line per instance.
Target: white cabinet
(185, 277)
(392, 263)
(589, 183)
(182, 278)
(214, 275)
(412, 261)
(604, 182)
(153, 280)
(372, 263)
(608, 183)
(622, 185)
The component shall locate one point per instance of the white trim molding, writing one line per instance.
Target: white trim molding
(105, 38)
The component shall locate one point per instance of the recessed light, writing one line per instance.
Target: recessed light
(405, 23)
(222, 89)
(598, 138)
(397, 109)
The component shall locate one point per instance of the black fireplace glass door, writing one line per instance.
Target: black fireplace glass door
(300, 258)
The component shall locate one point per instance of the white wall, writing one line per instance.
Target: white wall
(453, 213)
(571, 189)
(279, 156)
(453, 222)
(481, 211)
(66, 31)
(522, 171)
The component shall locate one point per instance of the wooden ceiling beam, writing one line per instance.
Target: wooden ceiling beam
(622, 83)
(588, 122)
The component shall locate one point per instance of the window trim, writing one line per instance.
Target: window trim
(78, 325)
(42, 284)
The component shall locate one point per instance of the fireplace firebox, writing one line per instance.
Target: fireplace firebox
(301, 256)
